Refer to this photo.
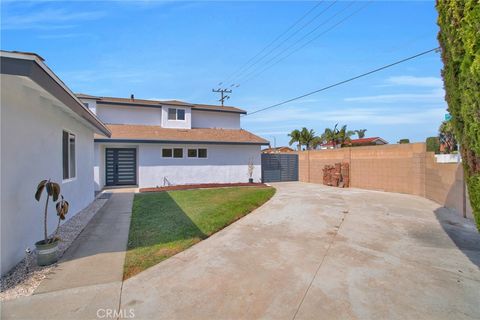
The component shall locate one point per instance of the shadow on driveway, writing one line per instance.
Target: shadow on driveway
(466, 239)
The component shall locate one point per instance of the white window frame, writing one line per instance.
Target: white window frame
(70, 133)
(176, 114)
(197, 157)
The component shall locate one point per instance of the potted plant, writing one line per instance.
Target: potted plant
(47, 248)
(251, 167)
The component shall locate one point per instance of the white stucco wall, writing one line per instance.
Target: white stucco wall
(225, 164)
(31, 150)
(98, 168)
(179, 124)
(209, 119)
(129, 115)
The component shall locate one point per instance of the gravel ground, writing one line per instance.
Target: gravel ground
(25, 277)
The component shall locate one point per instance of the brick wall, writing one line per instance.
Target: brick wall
(404, 168)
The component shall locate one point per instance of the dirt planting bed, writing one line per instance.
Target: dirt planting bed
(202, 186)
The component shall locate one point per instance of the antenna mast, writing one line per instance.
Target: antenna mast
(223, 95)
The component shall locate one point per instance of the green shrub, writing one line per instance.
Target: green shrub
(459, 38)
(402, 141)
(433, 144)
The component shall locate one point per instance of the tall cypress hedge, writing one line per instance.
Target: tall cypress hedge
(459, 38)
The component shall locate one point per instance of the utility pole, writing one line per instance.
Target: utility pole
(223, 95)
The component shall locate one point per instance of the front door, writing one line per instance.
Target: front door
(120, 166)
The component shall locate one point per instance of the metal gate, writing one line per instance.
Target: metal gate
(120, 166)
(278, 167)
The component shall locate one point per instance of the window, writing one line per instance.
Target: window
(172, 114)
(178, 153)
(68, 155)
(175, 153)
(180, 114)
(197, 153)
(192, 153)
(166, 153)
(202, 153)
(176, 114)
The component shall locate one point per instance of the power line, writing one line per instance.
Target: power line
(241, 74)
(253, 75)
(271, 43)
(345, 81)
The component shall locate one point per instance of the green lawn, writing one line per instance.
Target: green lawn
(165, 223)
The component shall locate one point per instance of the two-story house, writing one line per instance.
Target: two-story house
(158, 143)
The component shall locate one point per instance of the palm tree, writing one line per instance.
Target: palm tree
(296, 137)
(307, 137)
(317, 141)
(329, 135)
(343, 135)
(360, 133)
(337, 136)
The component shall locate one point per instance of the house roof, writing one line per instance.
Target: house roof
(358, 141)
(159, 103)
(367, 140)
(31, 65)
(157, 134)
(328, 144)
(277, 149)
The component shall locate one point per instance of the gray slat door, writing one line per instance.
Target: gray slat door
(279, 167)
(120, 166)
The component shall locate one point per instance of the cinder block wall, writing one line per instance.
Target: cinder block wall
(404, 168)
(392, 168)
(311, 163)
(444, 184)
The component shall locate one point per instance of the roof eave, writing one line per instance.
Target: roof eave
(31, 66)
(116, 140)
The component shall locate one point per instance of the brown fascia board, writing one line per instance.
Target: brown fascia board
(121, 140)
(160, 104)
(32, 70)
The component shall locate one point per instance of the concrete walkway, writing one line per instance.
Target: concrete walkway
(315, 252)
(89, 275)
(310, 252)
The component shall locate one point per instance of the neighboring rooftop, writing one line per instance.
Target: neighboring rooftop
(143, 133)
(368, 140)
(159, 103)
(278, 150)
(361, 141)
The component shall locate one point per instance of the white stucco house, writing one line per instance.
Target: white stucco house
(86, 143)
(46, 133)
(158, 143)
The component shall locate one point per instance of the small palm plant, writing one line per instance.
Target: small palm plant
(46, 248)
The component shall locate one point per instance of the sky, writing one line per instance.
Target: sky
(269, 51)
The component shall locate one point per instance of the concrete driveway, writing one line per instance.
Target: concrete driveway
(319, 252)
(310, 252)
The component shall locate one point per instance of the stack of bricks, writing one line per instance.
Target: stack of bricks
(337, 175)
